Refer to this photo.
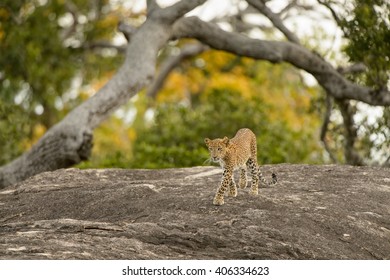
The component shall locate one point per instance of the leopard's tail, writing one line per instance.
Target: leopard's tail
(273, 181)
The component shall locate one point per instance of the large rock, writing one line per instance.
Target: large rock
(314, 212)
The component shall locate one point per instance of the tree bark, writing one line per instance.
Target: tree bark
(325, 125)
(350, 133)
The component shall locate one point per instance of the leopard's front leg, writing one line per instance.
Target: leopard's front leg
(232, 188)
(226, 178)
(253, 167)
(243, 179)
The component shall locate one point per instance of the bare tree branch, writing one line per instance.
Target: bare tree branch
(171, 14)
(240, 26)
(238, 23)
(127, 30)
(327, 5)
(350, 133)
(72, 9)
(325, 127)
(96, 9)
(290, 4)
(189, 50)
(275, 19)
(350, 156)
(352, 69)
(326, 75)
(151, 6)
(286, 12)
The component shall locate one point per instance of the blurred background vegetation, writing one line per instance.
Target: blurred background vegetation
(57, 53)
(208, 101)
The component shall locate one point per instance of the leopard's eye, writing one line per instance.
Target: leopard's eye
(219, 149)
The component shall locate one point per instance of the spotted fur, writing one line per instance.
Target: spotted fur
(239, 152)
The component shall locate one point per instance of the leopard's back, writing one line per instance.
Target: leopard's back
(242, 147)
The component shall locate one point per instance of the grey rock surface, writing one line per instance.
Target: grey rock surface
(314, 212)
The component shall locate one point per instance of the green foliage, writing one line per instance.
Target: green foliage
(45, 47)
(33, 56)
(176, 137)
(11, 135)
(367, 29)
(374, 138)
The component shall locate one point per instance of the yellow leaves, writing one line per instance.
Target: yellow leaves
(232, 82)
(194, 80)
(225, 71)
(38, 131)
(178, 86)
(131, 134)
(215, 59)
(291, 105)
(296, 119)
(175, 88)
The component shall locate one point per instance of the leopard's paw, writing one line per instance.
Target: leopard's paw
(218, 201)
(242, 184)
(254, 192)
(233, 192)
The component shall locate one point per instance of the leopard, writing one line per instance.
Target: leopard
(239, 152)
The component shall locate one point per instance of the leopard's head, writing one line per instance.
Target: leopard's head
(217, 148)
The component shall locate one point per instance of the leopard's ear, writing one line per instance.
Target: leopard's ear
(207, 141)
(225, 140)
